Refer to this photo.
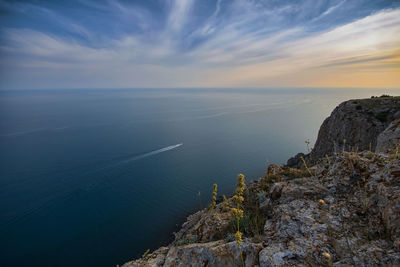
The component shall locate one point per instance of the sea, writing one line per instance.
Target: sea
(95, 177)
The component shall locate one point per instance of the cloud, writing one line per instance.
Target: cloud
(358, 60)
(229, 43)
(180, 10)
(374, 35)
(330, 10)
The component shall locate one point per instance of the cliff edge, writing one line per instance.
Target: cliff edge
(353, 125)
(342, 211)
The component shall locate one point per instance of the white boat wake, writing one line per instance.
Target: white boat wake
(145, 155)
(158, 151)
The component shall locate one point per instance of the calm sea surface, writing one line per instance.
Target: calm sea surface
(96, 177)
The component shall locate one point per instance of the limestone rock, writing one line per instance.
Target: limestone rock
(389, 138)
(296, 160)
(217, 253)
(204, 226)
(157, 258)
(353, 224)
(358, 121)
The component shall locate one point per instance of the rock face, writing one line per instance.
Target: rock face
(346, 214)
(389, 138)
(296, 160)
(358, 122)
(340, 211)
(217, 253)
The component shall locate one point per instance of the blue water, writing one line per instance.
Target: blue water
(96, 177)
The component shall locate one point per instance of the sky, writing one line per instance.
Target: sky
(199, 43)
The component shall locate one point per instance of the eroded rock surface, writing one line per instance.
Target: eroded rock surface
(354, 125)
(389, 138)
(347, 213)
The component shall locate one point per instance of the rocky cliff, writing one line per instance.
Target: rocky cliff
(342, 211)
(353, 125)
(389, 139)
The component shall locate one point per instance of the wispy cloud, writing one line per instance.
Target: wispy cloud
(185, 43)
(360, 60)
(179, 13)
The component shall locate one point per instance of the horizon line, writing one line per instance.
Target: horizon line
(197, 87)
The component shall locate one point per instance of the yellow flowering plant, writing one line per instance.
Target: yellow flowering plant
(226, 202)
(238, 213)
(214, 197)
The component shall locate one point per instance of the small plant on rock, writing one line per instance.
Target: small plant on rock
(226, 203)
(214, 197)
(308, 145)
(238, 212)
(309, 149)
(305, 165)
(145, 253)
